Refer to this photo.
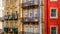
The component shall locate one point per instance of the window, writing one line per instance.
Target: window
(53, 0)
(35, 12)
(35, 28)
(53, 30)
(11, 24)
(53, 13)
(35, 1)
(30, 13)
(25, 13)
(15, 24)
(5, 24)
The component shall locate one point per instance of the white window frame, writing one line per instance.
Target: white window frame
(56, 12)
(53, 0)
(56, 28)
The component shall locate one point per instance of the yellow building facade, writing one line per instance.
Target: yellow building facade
(12, 17)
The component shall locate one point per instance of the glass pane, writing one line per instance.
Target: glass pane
(53, 30)
(35, 12)
(35, 28)
(30, 13)
(35, 1)
(25, 13)
(53, 12)
(11, 24)
(6, 24)
(15, 24)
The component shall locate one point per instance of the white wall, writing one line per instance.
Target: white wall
(1, 13)
(1, 8)
(1, 27)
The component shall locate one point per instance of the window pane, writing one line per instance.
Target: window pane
(53, 30)
(35, 12)
(15, 24)
(53, 12)
(35, 1)
(5, 24)
(30, 12)
(25, 13)
(11, 24)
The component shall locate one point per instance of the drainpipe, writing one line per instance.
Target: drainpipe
(39, 18)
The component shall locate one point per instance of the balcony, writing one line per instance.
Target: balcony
(30, 19)
(30, 4)
(15, 16)
(10, 17)
(6, 17)
(10, 29)
(13, 29)
(36, 19)
(6, 29)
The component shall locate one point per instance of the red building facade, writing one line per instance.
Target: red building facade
(51, 16)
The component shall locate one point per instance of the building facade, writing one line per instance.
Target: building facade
(12, 17)
(51, 17)
(22, 17)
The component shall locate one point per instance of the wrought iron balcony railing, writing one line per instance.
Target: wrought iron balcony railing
(6, 17)
(13, 29)
(30, 4)
(11, 17)
(33, 19)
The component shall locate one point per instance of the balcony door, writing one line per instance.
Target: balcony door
(30, 29)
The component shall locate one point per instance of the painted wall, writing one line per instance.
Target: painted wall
(51, 21)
